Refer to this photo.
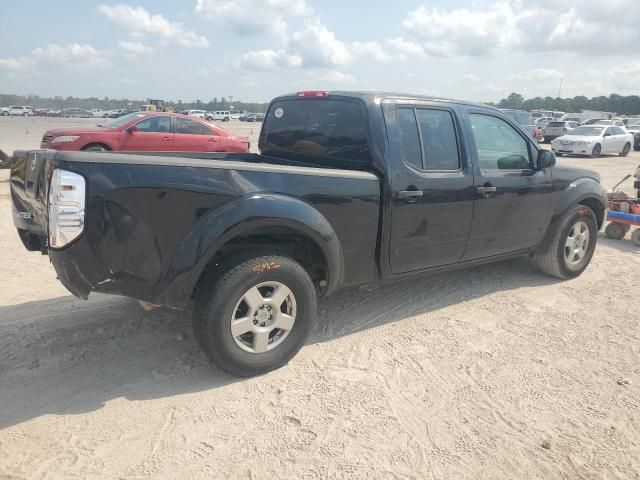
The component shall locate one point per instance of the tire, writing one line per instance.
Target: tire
(5, 114)
(635, 237)
(222, 297)
(615, 231)
(597, 151)
(626, 150)
(96, 147)
(25, 115)
(559, 261)
(226, 119)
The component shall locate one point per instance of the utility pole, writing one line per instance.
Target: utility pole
(560, 89)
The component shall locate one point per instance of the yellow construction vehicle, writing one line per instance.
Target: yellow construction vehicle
(155, 106)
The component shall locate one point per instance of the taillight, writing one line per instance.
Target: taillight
(66, 207)
(313, 93)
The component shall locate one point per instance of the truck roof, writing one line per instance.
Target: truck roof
(372, 96)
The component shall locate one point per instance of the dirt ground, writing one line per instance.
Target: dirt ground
(494, 372)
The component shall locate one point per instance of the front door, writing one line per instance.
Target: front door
(153, 134)
(431, 186)
(512, 208)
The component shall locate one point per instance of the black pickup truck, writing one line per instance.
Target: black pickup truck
(349, 188)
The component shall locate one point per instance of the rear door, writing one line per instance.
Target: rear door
(431, 185)
(610, 141)
(512, 205)
(193, 136)
(153, 134)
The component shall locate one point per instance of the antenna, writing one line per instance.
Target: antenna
(560, 89)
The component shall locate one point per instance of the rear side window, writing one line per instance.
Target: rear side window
(187, 126)
(320, 128)
(428, 138)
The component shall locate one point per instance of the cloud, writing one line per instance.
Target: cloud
(470, 77)
(266, 60)
(537, 75)
(312, 47)
(253, 17)
(133, 50)
(142, 23)
(14, 64)
(404, 48)
(370, 51)
(508, 26)
(74, 54)
(333, 77)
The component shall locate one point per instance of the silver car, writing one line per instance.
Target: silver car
(554, 130)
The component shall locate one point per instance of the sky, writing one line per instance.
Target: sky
(253, 50)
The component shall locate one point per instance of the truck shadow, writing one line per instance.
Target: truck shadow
(68, 356)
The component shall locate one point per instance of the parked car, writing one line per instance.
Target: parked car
(343, 194)
(594, 140)
(76, 113)
(196, 113)
(97, 112)
(54, 113)
(41, 112)
(524, 118)
(634, 130)
(255, 117)
(591, 121)
(617, 123)
(557, 129)
(147, 131)
(17, 111)
(542, 122)
(116, 113)
(220, 115)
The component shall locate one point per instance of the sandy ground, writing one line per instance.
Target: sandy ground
(469, 375)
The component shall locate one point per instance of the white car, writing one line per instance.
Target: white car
(594, 140)
(617, 123)
(17, 111)
(221, 115)
(196, 113)
(97, 112)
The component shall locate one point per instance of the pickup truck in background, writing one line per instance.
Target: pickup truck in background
(350, 188)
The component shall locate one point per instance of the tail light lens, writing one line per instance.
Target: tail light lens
(66, 207)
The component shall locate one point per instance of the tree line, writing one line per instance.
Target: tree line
(107, 103)
(623, 105)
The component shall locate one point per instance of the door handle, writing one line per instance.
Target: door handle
(409, 195)
(485, 191)
(166, 138)
(214, 139)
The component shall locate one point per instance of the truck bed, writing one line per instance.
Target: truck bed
(147, 216)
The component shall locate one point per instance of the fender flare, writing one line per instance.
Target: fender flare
(214, 229)
(577, 192)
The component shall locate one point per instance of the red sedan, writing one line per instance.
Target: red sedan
(147, 131)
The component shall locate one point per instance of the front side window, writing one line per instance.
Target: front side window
(155, 124)
(186, 126)
(498, 144)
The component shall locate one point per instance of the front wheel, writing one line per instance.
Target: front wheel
(573, 245)
(597, 151)
(255, 315)
(626, 150)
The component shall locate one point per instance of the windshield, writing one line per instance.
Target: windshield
(587, 131)
(322, 129)
(123, 120)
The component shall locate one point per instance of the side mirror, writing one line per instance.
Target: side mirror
(132, 129)
(546, 159)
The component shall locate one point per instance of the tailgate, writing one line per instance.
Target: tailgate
(30, 170)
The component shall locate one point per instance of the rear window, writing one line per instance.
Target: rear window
(325, 129)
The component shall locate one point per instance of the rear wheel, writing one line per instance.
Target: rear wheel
(597, 151)
(626, 150)
(635, 237)
(255, 315)
(573, 245)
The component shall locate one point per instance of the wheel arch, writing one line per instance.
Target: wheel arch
(100, 143)
(254, 223)
(584, 191)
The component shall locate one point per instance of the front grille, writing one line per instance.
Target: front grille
(47, 138)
